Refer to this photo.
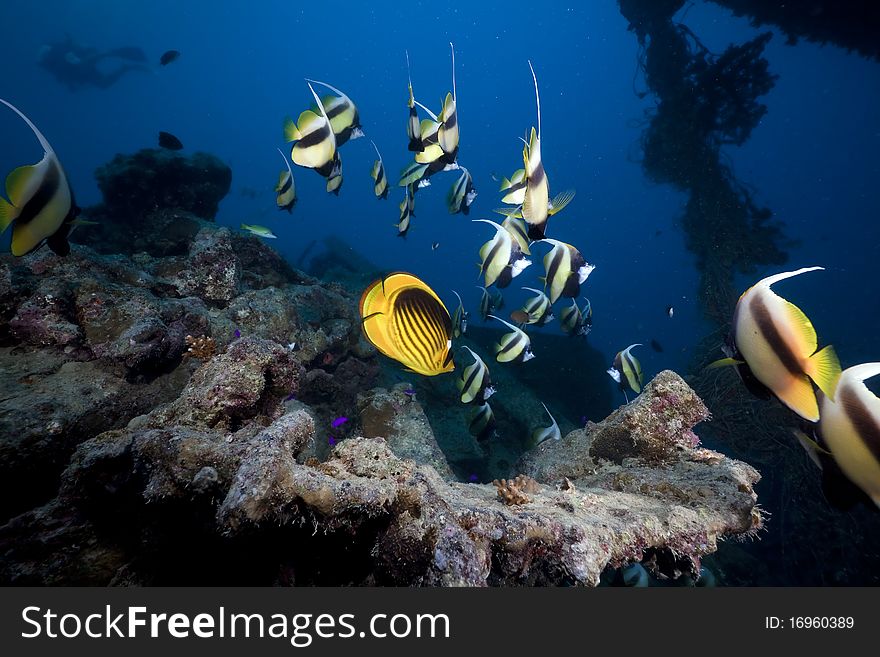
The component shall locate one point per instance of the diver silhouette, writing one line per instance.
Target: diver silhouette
(79, 66)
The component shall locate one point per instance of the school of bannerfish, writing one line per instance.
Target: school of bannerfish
(773, 345)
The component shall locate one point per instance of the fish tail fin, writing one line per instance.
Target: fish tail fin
(824, 368)
(8, 213)
(291, 132)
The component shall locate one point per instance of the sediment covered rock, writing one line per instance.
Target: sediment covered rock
(384, 519)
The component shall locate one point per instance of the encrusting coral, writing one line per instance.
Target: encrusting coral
(513, 491)
(202, 348)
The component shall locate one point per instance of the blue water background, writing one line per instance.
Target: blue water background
(813, 159)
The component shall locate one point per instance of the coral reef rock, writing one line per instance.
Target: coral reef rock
(135, 184)
(198, 484)
(400, 420)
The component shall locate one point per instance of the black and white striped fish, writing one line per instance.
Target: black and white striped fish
(474, 383)
(412, 174)
(514, 346)
(482, 422)
(627, 371)
(576, 321)
(285, 190)
(380, 180)
(515, 186)
(519, 232)
(342, 114)
(850, 427)
(334, 180)
(448, 132)
(413, 126)
(459, 318)
(537, 308)
(536, 204)
(565, 270)
(315, 146)
(546, 433)
(407, 210)
(462, 193)
(489, 302)
(41, 207)
(501, 259)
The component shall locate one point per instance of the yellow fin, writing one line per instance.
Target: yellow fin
(560, 201)
(17, 183)
(803, 329)
(8, 213)
(723, 362)
(824, 368)
(291, 132)
(800, 397)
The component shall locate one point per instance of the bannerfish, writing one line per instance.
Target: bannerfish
(168, 57)
(407, 210)
(285, 190)
(448, 131)
(412, 174)
(462, 193)
(519, 232)
(169, 141)
(627, 371)
(459, 318)
(537, 308)
(576, 321)
(413, 126)
(775, 344)
(334, 180)
(565, 270)
(546, 433)
(315, 141)
(489, 303)
(670, 311)
(342, 113)
(41, 207)
(435, 246)
(482, 422)
(501, 258)
(380, 180)
(474, 384)
(515, 186)
(536, 205)
(405, 320)
(850, 426)
(259, 231)
(514, 346)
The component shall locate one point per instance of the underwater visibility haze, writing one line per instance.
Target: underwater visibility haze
(459, 291)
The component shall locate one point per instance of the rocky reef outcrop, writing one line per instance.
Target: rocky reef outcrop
(228, 471)
(92, 340)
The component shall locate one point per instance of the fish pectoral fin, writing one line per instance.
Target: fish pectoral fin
(291, 132)
(724, 362)
(8, 213)
(824, 368)
(560, 201)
